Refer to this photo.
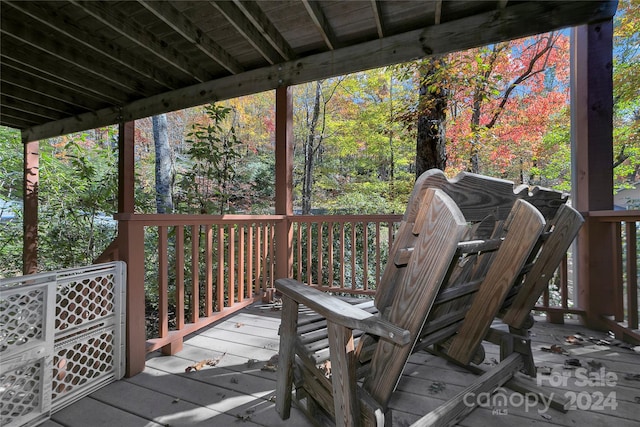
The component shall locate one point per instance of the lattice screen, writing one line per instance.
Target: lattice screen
(62, 337)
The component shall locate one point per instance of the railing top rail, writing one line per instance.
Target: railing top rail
(614, 216)
(172, 219)
(345, 218)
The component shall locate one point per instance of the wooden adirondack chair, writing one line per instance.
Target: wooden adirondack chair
(436, 256)
(480, 197)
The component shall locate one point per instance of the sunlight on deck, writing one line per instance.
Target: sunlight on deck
(239, 389)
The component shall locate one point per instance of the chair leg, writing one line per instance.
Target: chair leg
(288, 328)
(343, 375)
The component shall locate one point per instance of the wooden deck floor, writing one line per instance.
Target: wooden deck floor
(238, 392)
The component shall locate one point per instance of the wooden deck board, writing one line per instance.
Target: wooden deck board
(238, 392)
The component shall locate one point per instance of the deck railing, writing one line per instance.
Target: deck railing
(558, 298)
(342, 253)
(192, 270)
(624, 224)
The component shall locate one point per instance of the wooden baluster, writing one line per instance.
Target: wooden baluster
(220, 274)
(330, 255)
(365, 255)
(179, 277)
(231, 276)
(632, 276)
(208, 259)
(241, 286)
(319, 254)
(163, 283)
(342, 266)
(353, 255)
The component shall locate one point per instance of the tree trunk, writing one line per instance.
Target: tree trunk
(164, 169)
(309, 151)
(430, 144)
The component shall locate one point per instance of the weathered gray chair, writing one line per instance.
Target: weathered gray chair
(438, 261)
(479, 198)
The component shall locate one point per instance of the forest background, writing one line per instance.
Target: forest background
(359, 141)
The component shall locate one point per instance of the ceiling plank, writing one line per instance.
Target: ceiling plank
(440, 39)
(321, 22)
(17, 77)
(377, 16)
(240, 22)
(34, 98)
(260, 20)
(11, 111)
(73, 57)
(120, 23)
(49, 16)
(14, 122)
(179, 23)
(29, 108)
(43, 68)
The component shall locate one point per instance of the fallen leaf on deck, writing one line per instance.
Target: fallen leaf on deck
(555, 349)
(239, 325)
(632, 377)
(572, 363)
(544, 370)
(251, 362)
(545, 416)
(594, 365)
(436, 387)
(637, 399)
(574, 340)
(206, 362)
(272, 364)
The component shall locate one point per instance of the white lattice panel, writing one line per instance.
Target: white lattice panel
(25, 389)
(26, 346)
(24, 313)
(62, 338)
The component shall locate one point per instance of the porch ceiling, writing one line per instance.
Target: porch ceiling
(74, 65)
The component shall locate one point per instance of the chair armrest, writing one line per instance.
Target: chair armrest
(337, 311)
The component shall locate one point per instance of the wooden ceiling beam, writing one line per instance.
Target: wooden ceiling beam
(42, 68)
(30, 116)
(262, 23)
(34, 98)
(121, 24)
(25, 107)
(15, 122)
(240, 22)
(70, 56)
(439, 39)
(377, 16)
(317, 16)
(168, 14)
(47, 15)
(17, 77)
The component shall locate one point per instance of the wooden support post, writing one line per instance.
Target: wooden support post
(284, 181)
(30, 205)
(126, 168)
(132, 253)
(592, 142)
(131, 250)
